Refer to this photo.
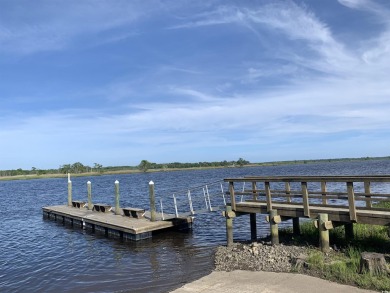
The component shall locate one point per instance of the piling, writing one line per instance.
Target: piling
(69, 191)
(323, 232)
(296, 226)
(229, 226)
(253, 226)
(89, 189)
(152, 202)
(274, 227)
(117, 209)
(348, 227)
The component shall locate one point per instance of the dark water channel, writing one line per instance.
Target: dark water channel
(38, 255)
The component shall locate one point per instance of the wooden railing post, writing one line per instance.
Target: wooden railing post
(232, 196)
(367, 189)
(268, 196)
(323, 190)
(288, 191)
(254, 187)
(351, 202)
(305, 199)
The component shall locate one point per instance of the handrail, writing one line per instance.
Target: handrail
(343, 178)
(305, 193)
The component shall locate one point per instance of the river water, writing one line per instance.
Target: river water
(38, 255)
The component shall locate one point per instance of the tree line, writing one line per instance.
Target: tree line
(144, 165)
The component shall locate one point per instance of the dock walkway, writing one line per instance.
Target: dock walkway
(112, 225)
(331, 201)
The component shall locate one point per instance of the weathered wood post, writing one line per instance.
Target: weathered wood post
(253, 226)
(89, 189)
(69, 191)
(229, 225)
(323, 232)
(117, 211)
(296, 226)
(273, 221)
(152, 202)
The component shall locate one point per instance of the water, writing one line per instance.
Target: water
(39, 255)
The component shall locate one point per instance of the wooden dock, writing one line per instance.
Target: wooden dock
(113, 225)
(330, 201)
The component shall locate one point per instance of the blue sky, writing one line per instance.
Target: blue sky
(115, 82)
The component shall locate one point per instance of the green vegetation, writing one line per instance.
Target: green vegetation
(79, 169)
(342, 264)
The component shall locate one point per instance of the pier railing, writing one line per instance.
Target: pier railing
(354, 193)
(194, 200)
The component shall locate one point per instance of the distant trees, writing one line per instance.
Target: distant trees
(144, 165)
(75, 168)
(98, 168)
(241, 162)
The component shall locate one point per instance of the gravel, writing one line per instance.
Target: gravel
(259, 256)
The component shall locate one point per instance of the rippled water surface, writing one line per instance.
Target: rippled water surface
(39, 255)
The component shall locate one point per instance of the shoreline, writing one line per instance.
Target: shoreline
(261, 267)
(136, 171)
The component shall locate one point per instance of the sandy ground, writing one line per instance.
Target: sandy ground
(263, 282)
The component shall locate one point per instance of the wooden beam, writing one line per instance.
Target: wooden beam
(323, 190)
(254, 188)
(351, 202)
(232, 195)
(288, 191)
(367, 189)
(305, 199)
(268, 196)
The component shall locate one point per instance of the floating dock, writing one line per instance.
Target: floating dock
(130, 224)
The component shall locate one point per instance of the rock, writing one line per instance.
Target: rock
(300, 261)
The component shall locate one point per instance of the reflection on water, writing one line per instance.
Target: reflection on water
(39, 255)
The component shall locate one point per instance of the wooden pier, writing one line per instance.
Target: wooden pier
(330, 201)
(108, 223)
(127, 223)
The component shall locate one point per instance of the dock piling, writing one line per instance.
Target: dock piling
(348, 227)
(229, 225)
(69, 191)
(274, 227)
(89, 189)
(296, 227)
(117, 209)
(152, 202)
(323, 232)
(253, 226)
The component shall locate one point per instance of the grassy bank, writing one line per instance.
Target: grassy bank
(342, 264)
